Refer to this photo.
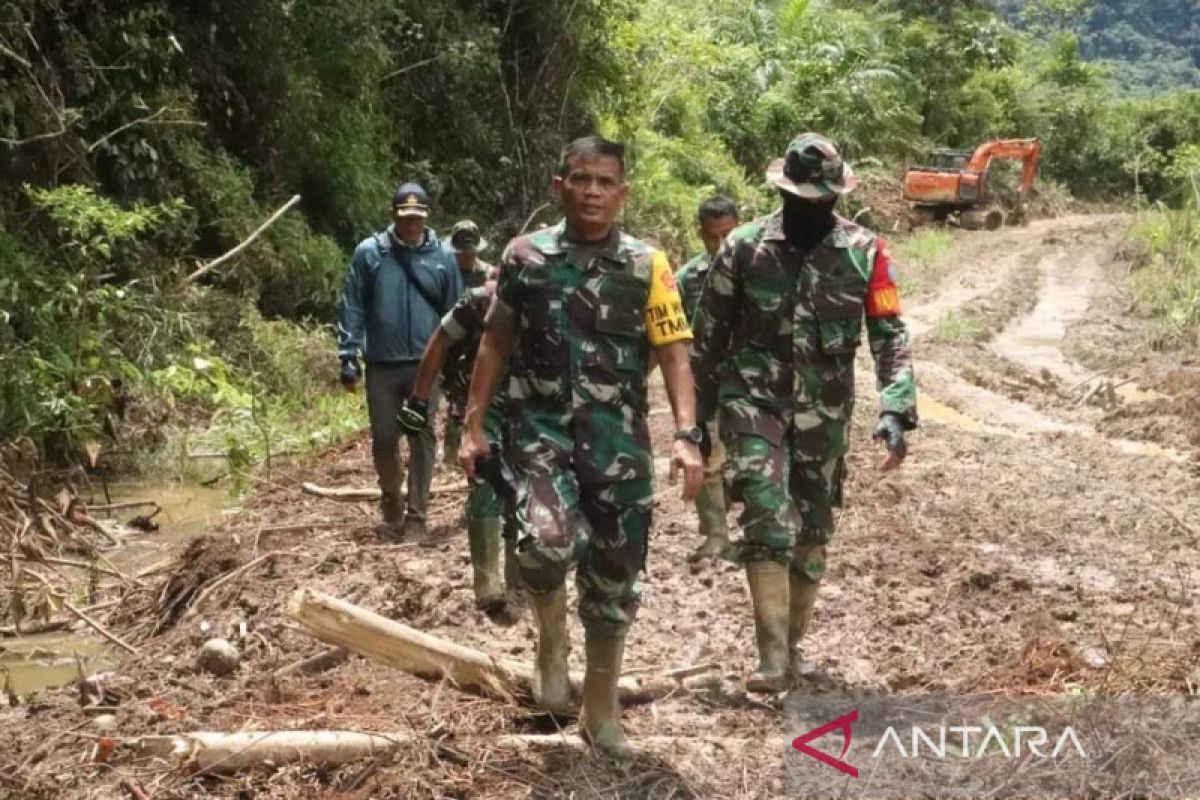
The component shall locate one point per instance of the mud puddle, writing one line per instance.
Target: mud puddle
(33, 663)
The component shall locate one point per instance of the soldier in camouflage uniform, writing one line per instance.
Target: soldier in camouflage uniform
(579, 307)
(717, 218)
(460, 331)
(780, 319)
(466, 243)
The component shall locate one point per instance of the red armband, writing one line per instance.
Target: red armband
(883, 297)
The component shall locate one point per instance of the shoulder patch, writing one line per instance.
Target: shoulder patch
(883, 295)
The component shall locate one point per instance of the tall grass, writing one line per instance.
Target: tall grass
(1168, 284)
(923, 260)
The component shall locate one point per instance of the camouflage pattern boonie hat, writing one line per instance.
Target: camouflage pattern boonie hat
(465, 237)
(812, 168)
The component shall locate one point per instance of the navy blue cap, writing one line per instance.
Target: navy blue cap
(410, 200)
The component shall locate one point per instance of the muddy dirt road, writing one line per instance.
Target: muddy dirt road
(1041, 538)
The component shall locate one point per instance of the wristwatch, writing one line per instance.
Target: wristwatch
(694, 434)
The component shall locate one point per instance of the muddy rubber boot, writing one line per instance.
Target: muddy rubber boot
(391, 513)
(514, 588)
(803, 602)
(601, 723)
(769, 589)
(414, 526)
(512, 570)
(551, 684)
(710, 508)
(484, 537)
(451, 439)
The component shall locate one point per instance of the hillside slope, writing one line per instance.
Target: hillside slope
(1152, 47)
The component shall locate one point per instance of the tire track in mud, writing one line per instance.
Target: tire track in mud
(1013, 529)
(1066, 254)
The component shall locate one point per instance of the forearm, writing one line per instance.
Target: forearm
(494, 348)
(893, 368)
(351, 316)
(431, 364)
(681, 389)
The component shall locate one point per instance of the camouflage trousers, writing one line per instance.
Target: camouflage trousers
(483, 502)
(787, 506)
(602, 529)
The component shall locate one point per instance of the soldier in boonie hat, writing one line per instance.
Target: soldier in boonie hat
(465, 237)
(465, 243)
(812, 168)
(827, 283)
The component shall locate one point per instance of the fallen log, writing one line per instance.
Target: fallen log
(395, 644)
(211, 751)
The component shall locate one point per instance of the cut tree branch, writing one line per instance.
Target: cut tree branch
(395, 644)
(150, 119)
(216, 262)
(213, 751)
(353, 494)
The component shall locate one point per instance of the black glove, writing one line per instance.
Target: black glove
(705, 442)
(492, 469)
(350, 371)
(891, 431)
(413, 416)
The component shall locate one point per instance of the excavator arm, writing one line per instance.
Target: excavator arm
(1026, 150)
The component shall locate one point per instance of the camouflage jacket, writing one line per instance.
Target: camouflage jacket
(690, 279)
(456, 374)
(777, 330)
(577, 373)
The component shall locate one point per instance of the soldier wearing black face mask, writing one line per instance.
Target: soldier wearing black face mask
(780, 318)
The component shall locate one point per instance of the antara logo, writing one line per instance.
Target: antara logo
(843, 724)
(934, 742)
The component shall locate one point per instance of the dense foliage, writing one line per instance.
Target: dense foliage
(139, 139)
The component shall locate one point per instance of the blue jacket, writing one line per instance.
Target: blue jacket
(381, 313)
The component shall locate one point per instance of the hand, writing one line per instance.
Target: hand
(891, 432)
(413, 416)
(492, 469)
(350, 371)
(686, 456)
(474, 446)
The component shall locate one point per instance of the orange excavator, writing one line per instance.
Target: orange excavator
(956, 185)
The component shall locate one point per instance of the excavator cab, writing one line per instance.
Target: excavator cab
(945, 158)
(955, 184)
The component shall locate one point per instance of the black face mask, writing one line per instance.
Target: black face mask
(807, 222)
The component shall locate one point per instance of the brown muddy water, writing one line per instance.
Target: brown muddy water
(30, 664)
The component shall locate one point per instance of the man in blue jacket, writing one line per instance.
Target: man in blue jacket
(400, 284)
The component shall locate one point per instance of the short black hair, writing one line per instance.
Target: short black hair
(716, 207)
(591, 147)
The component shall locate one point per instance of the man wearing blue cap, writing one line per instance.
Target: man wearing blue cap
(399, 285)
